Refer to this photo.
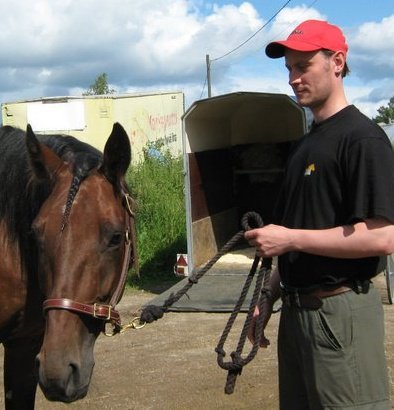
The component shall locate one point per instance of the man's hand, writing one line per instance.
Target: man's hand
(271, 240)
(264, 342)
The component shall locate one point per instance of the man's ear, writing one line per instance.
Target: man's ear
(339, 60)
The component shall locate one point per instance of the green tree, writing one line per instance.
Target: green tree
(100, 86)
(386, 114)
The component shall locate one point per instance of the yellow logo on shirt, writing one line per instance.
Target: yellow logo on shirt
(309, 169)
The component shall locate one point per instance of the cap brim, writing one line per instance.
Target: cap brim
(277, 49)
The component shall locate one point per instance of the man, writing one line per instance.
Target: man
(335, 226)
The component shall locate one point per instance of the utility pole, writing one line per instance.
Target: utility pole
(208, 74)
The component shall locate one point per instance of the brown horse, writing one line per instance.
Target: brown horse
(66, 242)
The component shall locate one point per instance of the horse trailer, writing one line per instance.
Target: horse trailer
(148, 119)
(235, 148)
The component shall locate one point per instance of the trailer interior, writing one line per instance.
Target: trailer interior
(235, 150)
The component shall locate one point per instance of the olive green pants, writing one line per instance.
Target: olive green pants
(333, 357)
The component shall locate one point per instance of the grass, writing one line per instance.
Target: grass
(157, 185)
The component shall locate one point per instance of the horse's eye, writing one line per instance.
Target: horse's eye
(115, 240)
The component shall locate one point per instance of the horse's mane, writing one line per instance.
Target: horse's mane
(20, 200)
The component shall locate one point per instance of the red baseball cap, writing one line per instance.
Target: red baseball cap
(311, 35)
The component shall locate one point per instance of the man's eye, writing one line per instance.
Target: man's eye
(303, 67)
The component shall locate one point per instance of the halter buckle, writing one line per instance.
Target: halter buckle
(99, 315)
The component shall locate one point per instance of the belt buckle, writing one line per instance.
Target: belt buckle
(361, 286)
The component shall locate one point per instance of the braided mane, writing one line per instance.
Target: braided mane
(82, 156)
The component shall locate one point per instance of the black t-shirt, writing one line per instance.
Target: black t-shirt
(341, 172)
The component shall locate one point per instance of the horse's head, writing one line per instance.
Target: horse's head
(83, 231)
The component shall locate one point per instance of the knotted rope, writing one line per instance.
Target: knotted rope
(260, 297)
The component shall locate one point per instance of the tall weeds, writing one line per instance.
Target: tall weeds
(157, 185)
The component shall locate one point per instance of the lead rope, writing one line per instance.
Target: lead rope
(260, 296)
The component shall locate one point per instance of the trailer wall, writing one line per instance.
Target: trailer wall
(149, 119)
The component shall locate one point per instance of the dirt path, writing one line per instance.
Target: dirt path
(171, 364)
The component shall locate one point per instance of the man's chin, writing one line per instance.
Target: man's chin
(304, 102)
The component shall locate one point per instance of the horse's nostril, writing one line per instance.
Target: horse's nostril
(75, 374)
(74, 368)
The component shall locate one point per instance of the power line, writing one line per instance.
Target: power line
(203, 87)
(208, 61)
(254, 34)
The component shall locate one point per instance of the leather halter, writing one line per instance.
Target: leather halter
(105, 312)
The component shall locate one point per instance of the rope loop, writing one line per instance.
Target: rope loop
(251, 220)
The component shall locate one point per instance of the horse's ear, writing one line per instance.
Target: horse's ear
(43, 161)
(117, 155)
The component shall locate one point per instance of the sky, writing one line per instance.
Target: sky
(59, 47)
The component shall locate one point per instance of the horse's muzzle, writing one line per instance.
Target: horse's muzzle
(65, 384)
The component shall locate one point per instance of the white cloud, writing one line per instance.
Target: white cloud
(376, 37)
(372, 50)
(134, 42)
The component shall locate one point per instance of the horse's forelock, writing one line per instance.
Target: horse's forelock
(76, 182)
(82, 158)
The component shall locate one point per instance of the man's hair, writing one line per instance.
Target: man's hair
(345, 70)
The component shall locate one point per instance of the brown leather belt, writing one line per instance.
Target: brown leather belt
(311, 300)
(326, 293)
